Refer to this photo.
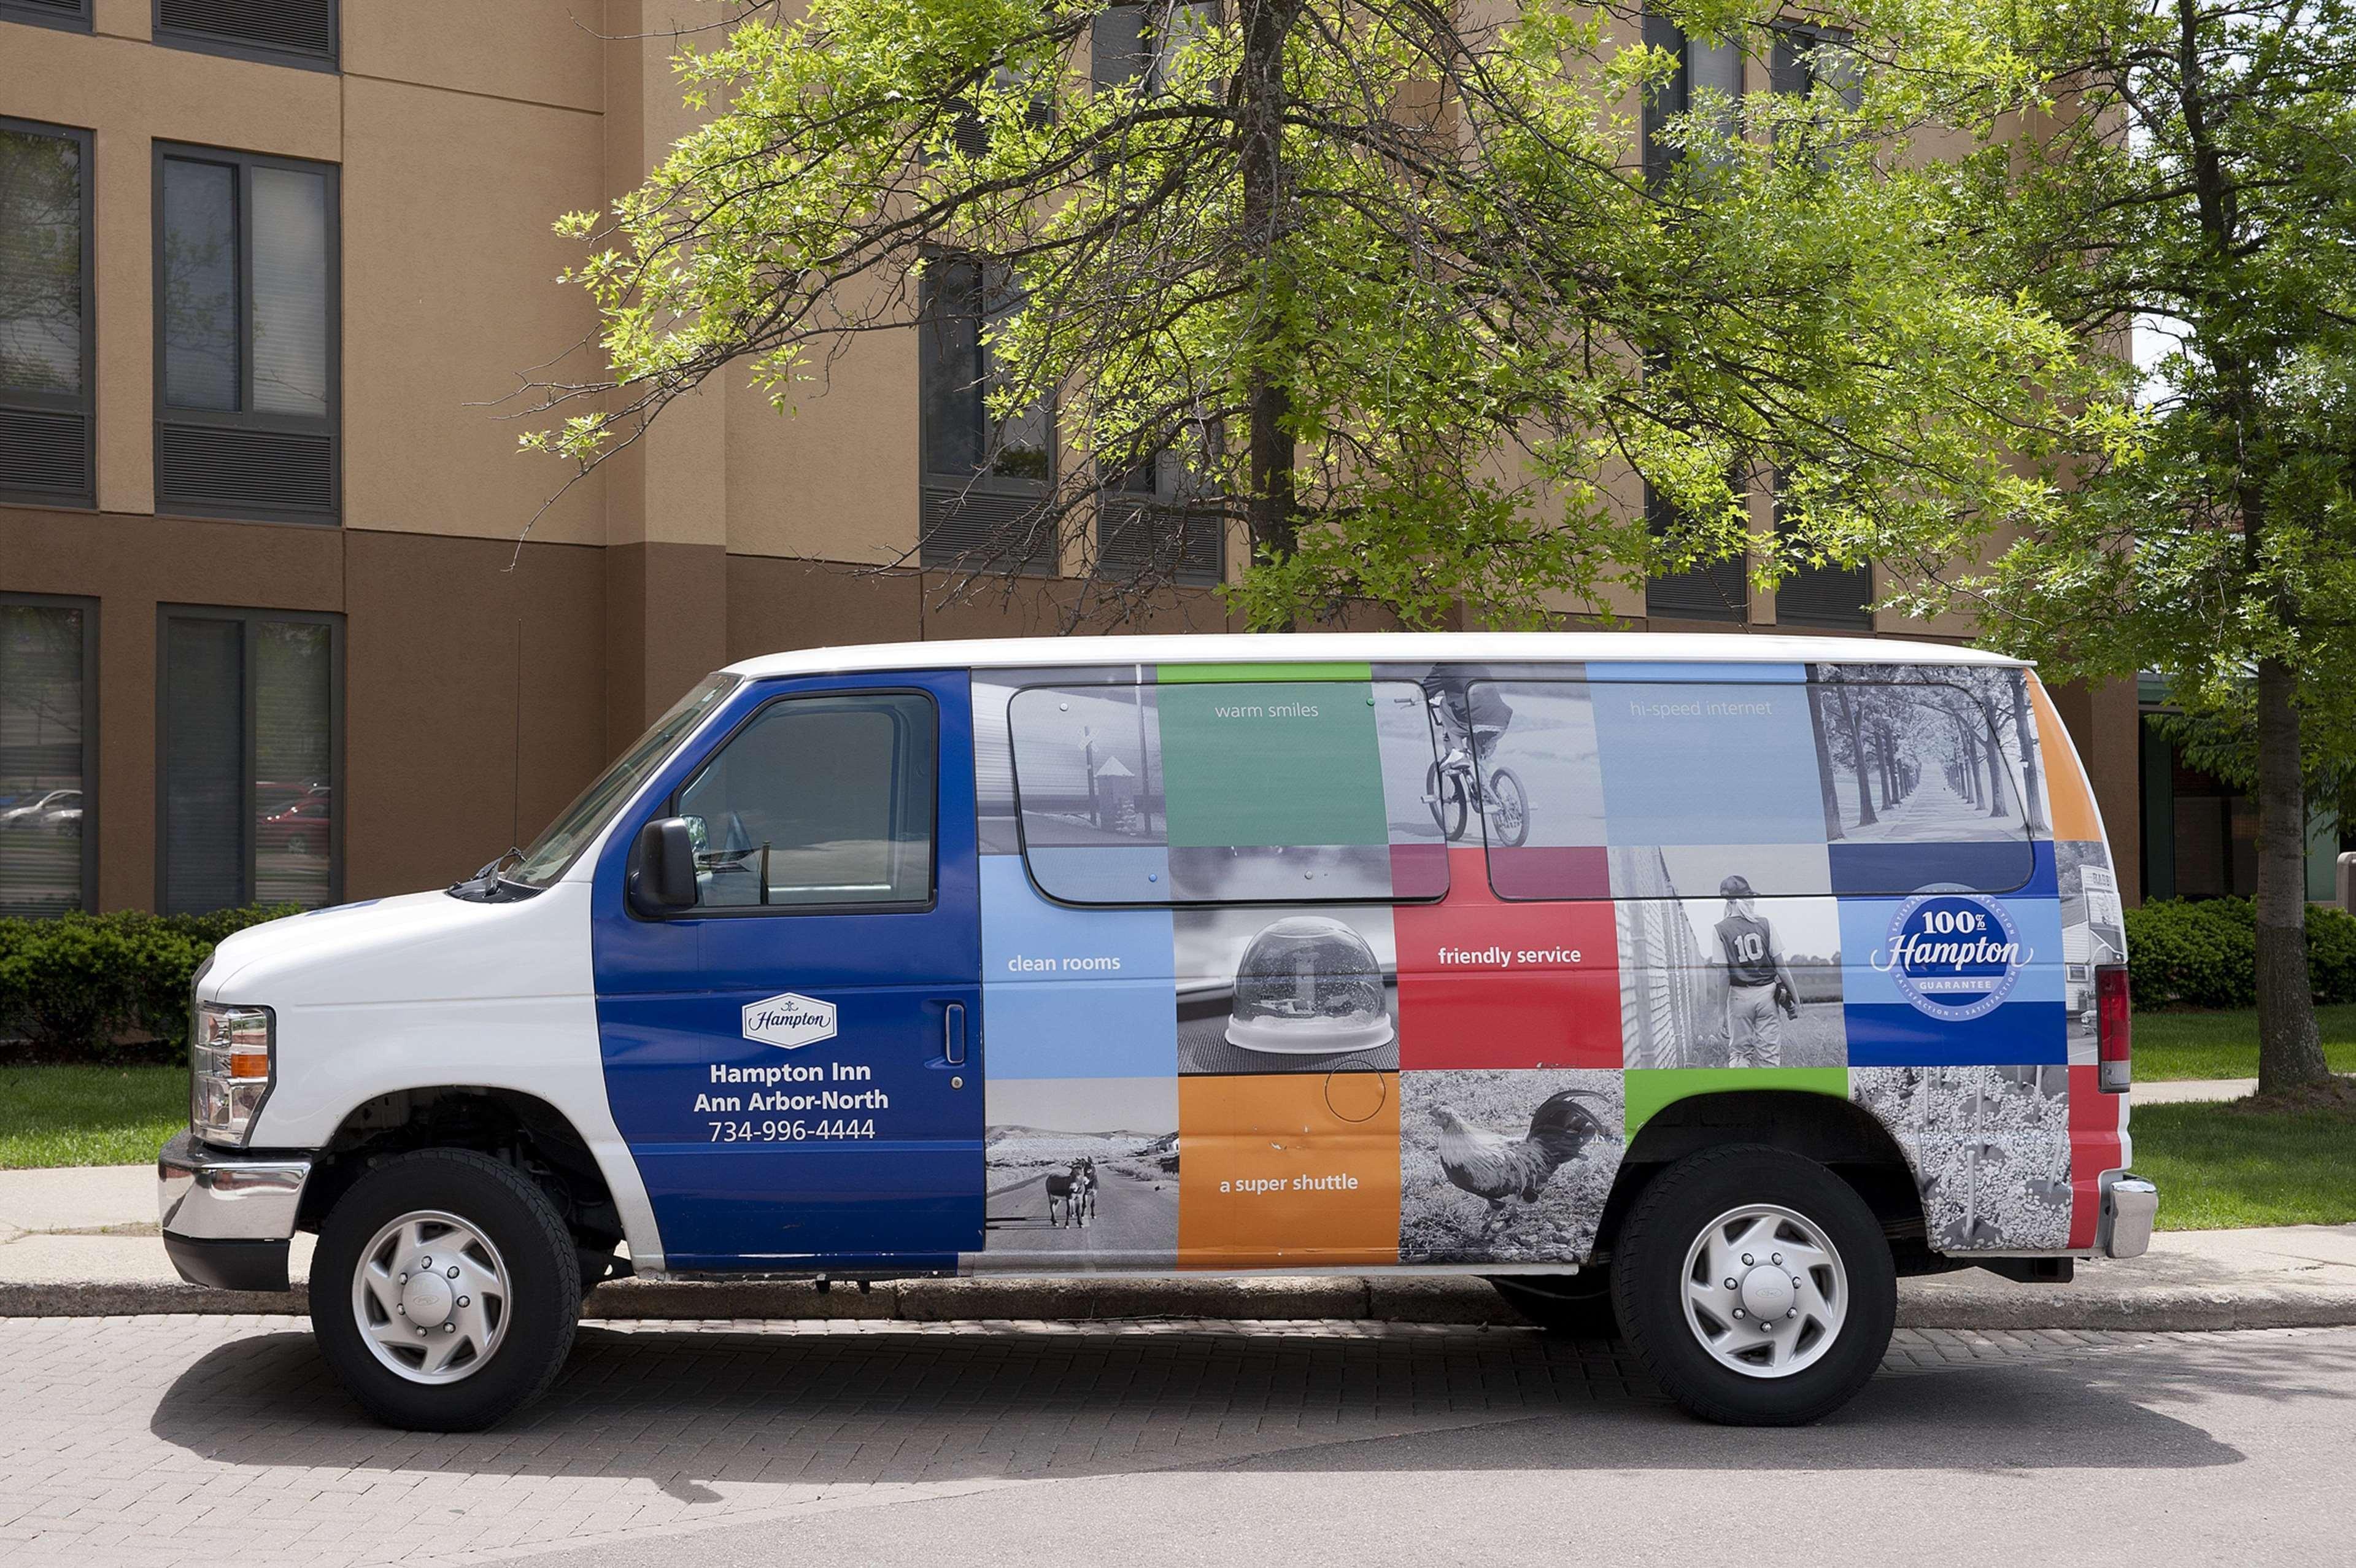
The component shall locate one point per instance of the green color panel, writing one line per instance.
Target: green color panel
(1274, 762)
(1650, 1089)
(1204, 674)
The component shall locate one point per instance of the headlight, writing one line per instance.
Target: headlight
(229, 1054)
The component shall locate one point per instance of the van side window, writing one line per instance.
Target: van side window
(1216, 791)
(819, 802)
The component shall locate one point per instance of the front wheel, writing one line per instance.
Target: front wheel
(1509, 808)
(1451, 808)
(1756, 1284)
(445, 1290)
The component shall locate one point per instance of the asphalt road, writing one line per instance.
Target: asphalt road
(171, 1441)
(1135, 1215)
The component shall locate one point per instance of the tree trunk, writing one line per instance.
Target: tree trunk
(1857, 750)
(1260, 105)
(1995, 772)
(2290, 1051)
(2027, 742)
(1824, 788)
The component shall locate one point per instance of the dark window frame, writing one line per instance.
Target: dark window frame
(942, 494)
(198, 40)
(70, 17)
(84, 403)
(671, 804)
(1658, 520)
(250, 619)
(245, 417)
(1673, 98)
(89, 747)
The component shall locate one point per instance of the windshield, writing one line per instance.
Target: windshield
(579, 822)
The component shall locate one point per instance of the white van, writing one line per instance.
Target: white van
(1701, 982)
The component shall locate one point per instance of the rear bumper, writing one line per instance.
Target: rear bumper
(228, 1215)
(2129, 1204)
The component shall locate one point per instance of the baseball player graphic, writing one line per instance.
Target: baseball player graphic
(1760, 991)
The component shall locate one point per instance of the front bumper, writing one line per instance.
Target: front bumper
(228, 1215)
(2129, 1204)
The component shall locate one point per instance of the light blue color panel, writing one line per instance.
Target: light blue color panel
(1072, 993)
(1865, 931)
(1691, 762)
(1103, 874)
(1672, 674)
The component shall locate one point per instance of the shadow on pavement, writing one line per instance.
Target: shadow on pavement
(683, 1408)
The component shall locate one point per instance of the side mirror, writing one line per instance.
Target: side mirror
(662, 868)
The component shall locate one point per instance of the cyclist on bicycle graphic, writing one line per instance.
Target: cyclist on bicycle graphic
(1473, 715)
(1760, 991)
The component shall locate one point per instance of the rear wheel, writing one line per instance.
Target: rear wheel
(445, 1290)
(1509, 808)
(1445, 790)
(1757, 1286)
(1577, 1306)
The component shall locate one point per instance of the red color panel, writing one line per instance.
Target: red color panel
(1485, 983)
(1549, 871)
(2095, 1146)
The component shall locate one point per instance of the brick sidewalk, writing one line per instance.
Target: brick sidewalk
(163, 1441)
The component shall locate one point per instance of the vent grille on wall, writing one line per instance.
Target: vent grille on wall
(1135, 536)
(62, 9)
(1826, 595)
(293, 26)
(45, 455)
(209, 468)
(1716, 592)
(976, 531)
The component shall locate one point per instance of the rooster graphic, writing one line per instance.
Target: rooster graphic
(1493, 1166)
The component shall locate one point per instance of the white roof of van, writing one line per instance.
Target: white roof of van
(1398, 647)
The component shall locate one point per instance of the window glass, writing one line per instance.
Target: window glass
(294, 790)
(42, 755)
(41, 300)
(1213, 791)
(200, 285)
(290, 292)
(966, 306)
(248, 761)
(204, 757)
(818, 800)
(574, 826)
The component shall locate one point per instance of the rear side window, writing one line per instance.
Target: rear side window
(822, 801)
(1718, 781)
(1228, 791)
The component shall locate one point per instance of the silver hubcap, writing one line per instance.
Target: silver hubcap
(430, 1297)
(1765, 1291)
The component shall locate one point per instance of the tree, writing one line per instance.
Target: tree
(1401, 285)
(2205, 185)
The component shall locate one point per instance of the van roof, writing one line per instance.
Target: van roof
(1410, 647)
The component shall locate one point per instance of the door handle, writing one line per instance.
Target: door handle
(953, 1033)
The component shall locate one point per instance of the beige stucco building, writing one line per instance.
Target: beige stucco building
(264, 613)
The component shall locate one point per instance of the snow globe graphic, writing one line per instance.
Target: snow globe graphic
(1308, 985)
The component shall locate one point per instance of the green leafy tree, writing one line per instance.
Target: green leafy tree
(1408, 291)
(2205, 185)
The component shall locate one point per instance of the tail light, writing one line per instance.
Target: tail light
(2113, 1029)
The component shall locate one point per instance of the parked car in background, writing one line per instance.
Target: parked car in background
(57, 812)
(296, 818)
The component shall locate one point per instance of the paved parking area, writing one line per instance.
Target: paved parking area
(168, 1441)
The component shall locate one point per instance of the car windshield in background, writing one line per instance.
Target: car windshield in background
(579, 822)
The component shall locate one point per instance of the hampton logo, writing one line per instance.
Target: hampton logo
(790, 1020)
(1954, 956)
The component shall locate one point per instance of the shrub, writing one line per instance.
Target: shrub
(2204, 952)
(105, 988)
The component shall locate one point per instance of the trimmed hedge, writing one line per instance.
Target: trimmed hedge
(109, 988)
(2204, 953)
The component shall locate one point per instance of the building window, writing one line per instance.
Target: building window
(1137, 43)
(49, 716)
(248, 322)
(1840, 597)
(1715, 590)
(47, 342)
(280, 32)
(250, 747)
(73, 16)
(988, 475)
(1157, 520)
(1707, 73)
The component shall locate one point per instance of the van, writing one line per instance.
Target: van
(1690, 985)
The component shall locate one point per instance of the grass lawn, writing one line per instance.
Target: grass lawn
(2219, 1166)
(89, 1115)
(2225, 1044)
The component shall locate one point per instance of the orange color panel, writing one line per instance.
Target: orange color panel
(1281, 1170)
(2071, 799)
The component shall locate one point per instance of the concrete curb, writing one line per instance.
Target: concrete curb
(1949, 1301)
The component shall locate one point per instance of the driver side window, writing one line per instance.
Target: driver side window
(819, 802)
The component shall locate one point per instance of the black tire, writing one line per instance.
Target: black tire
(1449, 808)
(1509, 808)
(1648, 1269)
(1576, 1306)
(543, 1304)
